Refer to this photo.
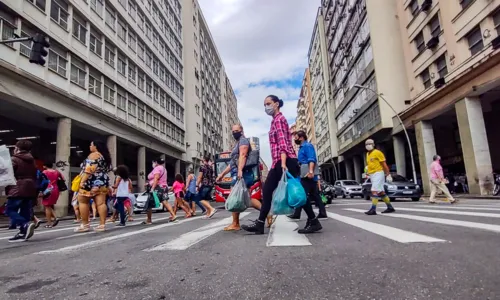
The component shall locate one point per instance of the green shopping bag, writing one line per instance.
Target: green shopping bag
(157, 200)
(323, 199)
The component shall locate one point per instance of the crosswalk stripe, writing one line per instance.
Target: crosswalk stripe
(283, 233)
(450, 212)
(391, 233)
(190, 238)
(98, 242)
(475, 225)
(462, 207)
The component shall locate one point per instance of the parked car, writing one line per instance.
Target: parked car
(141, 199)
(348, 188)
(400, 187)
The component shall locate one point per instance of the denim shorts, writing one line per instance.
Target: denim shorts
(247, 177)
(205, 192)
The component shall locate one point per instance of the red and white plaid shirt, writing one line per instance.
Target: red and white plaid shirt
(280, 139)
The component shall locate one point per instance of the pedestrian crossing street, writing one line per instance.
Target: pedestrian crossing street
(410, 224)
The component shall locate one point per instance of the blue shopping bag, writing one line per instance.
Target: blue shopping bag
(280, 198)
(296, 194)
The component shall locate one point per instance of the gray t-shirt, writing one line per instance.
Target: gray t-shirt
(235, 154)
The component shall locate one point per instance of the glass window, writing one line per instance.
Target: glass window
(122, 64)
(435, 26)
(122, 100)
(109, 54)
(465, 3)
(95, 42)
(59, 13)
(441, 66)
(58, 59)
(419, 42)
(132, 73)
(96, 5)
(38, 3)
(110, 18)
(95, 83)
(132, 41)
(414, 7)
(78, 73)
(132, 107)
(122, 30)
(496, 21)
(109, 91)
(475, 40)
(426, 78)
(79, 28)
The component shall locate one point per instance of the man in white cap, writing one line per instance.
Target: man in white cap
(377, 169)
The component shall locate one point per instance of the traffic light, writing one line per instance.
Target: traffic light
(38, 51)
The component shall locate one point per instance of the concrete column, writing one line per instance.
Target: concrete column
(178, 166)
(348, 168)
(63, 152)
(476, 152)
(426, 150)
(357, 168)
(400, 154)
(112, 147)
(141, 168)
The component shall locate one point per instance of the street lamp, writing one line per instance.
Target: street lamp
(358, 86)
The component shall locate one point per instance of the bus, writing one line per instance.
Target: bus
(223, 188)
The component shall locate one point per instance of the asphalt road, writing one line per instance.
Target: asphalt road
(419, 252)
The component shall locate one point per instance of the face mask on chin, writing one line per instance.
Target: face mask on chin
(369, 147)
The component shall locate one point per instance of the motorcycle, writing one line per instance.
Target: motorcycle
(496, 187)
(328, 191)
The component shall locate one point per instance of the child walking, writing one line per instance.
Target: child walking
(179, 191)
(122, 188)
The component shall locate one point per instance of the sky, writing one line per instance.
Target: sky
(263, 45)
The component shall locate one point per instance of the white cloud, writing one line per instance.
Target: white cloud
(261, 41)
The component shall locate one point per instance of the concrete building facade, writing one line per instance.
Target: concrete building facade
(305, 106)
(323, 108)
(453, 71)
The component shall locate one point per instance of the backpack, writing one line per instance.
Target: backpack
(42, 182)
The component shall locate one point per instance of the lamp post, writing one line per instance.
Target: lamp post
(358, 86)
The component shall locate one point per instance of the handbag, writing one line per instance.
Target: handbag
(61, 184)
(75, 184)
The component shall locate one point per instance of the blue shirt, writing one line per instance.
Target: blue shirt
(307, 155)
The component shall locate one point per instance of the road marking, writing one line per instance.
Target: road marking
(391, 233)
(283, 232)
(95, 243)
(193, 237)
(450, 212)
(475, 225)
(462, 207)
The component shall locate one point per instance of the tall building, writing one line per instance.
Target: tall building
(300, 121)
(452, 61)
(305, 94)
(211, 100)
(323, 108)
(293, 129)
(114, 72)
(364, 48)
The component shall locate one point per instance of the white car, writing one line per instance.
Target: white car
(142, 198)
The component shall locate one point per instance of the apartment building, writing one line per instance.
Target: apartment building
(453, 71)
(300, 120)
(114, 72)
(305, 103)
(322, 106)
(293, 129)
(231, 108)
(364, 48)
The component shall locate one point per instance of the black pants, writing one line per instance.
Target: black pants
(272, 180)
(312, 191)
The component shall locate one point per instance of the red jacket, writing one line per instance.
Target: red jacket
(25, 173)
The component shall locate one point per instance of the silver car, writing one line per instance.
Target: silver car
(348, 188)
(142, 198)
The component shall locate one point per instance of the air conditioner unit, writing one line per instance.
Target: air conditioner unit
(433, 42)
(439, 83)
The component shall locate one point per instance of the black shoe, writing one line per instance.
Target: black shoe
(311, 227)
(121, 224)
(37, 224)
(293, 217)
(17, 238)
(256, 227)
(12, 227)
(55, 223)
(30, 230)
(322, 216)
(389, 210)
(371, 212)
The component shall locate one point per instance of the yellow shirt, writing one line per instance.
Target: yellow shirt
(374, 161)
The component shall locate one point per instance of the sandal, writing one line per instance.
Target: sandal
(82, 228)
(54, 224)
(100, 228)
(48, 226)
(229, 228)
(146, 223)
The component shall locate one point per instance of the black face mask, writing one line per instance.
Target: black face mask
(237, 135)
(298, 142)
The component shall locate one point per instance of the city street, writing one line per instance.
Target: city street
(422, 251)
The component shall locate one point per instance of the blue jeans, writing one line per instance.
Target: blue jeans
(190, 197)
(19, 212)
(120, 207)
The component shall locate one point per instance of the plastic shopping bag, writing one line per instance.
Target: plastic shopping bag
(132, 198)
(324, 199)
(296, 194)
(6, 171)
(157, 200)
(239, 199)
(280, 198)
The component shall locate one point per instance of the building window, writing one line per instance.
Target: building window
(149, 59)
(441, 66)
(123, 3)
(96, 5)
(149, 117)
(38, 3)
(156, 121)
(149, 88)
(109, 55)
(131, 73)
(162, 125)
(95, 42)
(465, 3)
(141, 81)
(25, 47)
(419, 42)
(426, 78)
(59, 13)
(122, 100)
(122, 30)
(198, 127)
(413, 7)
(140, 51)
(132, 9)
(140, 20)
(109, 91)
(95, 83)
(78, 72)
(156, 67)
(132, 107)
(435, 26)
(496, 21)
(156, 93)
(132, 42)
(79, 28)
(475, 39)
(163, 99)
(110, 18)
(122, 64)
(141, 112)
(58, 59)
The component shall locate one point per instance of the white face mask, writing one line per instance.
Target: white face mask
(369, 147)
(154, 165)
